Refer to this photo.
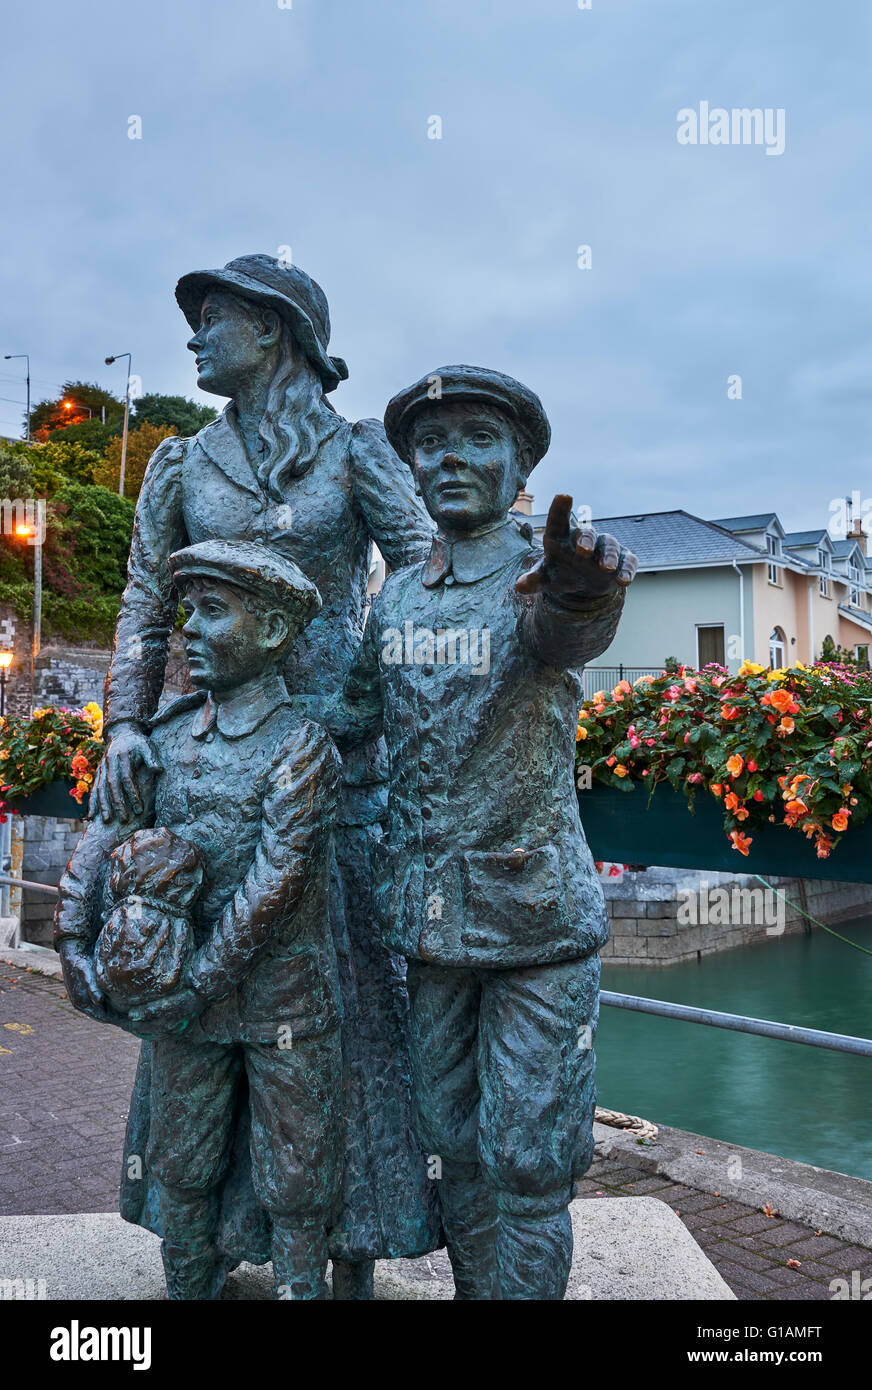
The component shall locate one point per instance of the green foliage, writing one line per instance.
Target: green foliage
(186, 416)
(50, 416)
(50, 745)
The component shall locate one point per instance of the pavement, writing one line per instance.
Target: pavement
(65, 1083)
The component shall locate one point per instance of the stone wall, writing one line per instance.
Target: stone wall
(47, 846)
(649, 912)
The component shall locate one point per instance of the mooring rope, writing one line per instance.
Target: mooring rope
(797, 908)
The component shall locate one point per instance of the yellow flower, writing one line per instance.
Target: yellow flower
(4, 753)
(620, 770)
(599, 696)
(750, 668)
(580, 733)
(94, 716)
(780, 675)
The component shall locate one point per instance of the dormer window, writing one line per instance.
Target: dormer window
(854, 585)
(823, 559)
(773, 546)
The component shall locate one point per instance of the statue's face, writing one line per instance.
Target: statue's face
(227, 642)
(467, 463)
(230, 345)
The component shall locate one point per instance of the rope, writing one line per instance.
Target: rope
(797, 908)
(644, 1129)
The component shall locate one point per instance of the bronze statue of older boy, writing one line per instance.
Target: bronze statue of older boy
(471, 663)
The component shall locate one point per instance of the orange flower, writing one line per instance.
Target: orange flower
(840, 821)
(80, 765)
(741, 842)
(786, 726)
(716, 789)
(796, 808)
(620, 770)
(580, 733)
(731, 801)
(741, 814)
(735, 765)
(781, 699)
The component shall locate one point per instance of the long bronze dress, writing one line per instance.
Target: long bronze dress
(356, 491)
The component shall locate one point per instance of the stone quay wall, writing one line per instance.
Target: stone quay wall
(652, 912)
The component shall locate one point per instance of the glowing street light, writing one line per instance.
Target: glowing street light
(71, 405)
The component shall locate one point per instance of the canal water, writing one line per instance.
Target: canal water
(800, 1102)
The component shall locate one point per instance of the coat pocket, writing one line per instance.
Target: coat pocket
(289, 991)
(513, 899)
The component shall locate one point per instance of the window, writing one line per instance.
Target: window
(710, 645)
(823, 560)
(773, 546)
(824, 586)
(777, 648)
(861, 654)
(854, 590)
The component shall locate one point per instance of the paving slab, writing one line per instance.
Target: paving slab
(625, 1248)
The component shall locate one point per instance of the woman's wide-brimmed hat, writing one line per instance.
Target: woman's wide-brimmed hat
(282, 287)
(515, 399)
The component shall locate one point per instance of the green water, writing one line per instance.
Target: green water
(801, 1102)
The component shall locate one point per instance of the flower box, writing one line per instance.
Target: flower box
(51, 800)
(621, 827)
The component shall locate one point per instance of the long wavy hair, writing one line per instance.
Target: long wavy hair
(298, 416)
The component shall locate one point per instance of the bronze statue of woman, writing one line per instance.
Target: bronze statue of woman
(281, 467)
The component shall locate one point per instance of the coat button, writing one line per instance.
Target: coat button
(209, 738)
(449, 579)
(427, 812)
(424, 765)
(424, 711)
(427, 670)
(429, 861)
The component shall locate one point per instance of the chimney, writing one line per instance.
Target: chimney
(857, 534)
(524, 503)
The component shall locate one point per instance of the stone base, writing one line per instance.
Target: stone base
(625, 1248)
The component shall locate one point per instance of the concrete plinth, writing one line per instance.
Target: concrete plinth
(625, 1248)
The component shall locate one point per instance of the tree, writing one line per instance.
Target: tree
(71, 407)
(186, 417)
(141, 444)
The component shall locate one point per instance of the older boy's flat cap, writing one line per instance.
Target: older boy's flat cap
(521, 404)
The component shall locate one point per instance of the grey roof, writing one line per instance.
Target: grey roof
(666, 540)
(746, 523)
(843, 548)
(806, 537)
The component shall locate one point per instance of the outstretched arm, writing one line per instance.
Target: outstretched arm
(578, 589)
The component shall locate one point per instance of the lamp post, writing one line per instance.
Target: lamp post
(6, 659)
(109, 361)
(8, 356)
(38, 533)
(71, 405)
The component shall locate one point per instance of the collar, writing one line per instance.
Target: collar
(222, 443)
(474, 557)
(240, 715)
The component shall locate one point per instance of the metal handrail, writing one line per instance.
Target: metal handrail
(740, 1023)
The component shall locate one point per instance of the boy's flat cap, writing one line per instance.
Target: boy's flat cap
(521, 404)
(252, 567)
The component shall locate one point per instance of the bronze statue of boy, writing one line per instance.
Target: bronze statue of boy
(470, 663)
(247, 790)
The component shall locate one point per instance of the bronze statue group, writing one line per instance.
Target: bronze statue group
(341, 889)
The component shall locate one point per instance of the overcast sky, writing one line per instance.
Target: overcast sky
(307, 127)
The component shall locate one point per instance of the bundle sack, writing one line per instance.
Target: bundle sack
(147, 937)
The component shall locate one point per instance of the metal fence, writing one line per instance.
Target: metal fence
(606, 677)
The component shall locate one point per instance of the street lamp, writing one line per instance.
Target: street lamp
(71, 405)
(109, 361)
(25, 531)
(7, 357)
(6, 659)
